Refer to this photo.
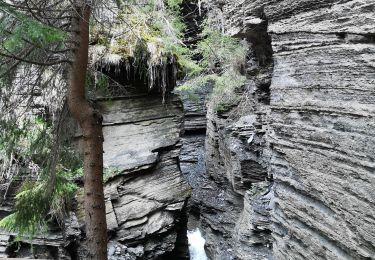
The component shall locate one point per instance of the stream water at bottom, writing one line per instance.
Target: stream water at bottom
(196, 245)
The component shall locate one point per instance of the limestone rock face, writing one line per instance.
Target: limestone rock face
(227, 169)
(146, 195)
(288, 176)
(321, 129)
(235, 212)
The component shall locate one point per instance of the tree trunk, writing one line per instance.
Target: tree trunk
(91, 124)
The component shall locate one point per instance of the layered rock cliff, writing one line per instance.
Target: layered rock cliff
(288, 173)
(146, 194)
(318, 140)
(233, 193)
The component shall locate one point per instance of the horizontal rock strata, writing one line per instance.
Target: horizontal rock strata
(322, 121)
(146, 194)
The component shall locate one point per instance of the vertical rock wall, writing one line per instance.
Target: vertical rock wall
(322, 98)
(145, 192)
(146, 196)
(235, 213)
(319, 138)
(289, 175)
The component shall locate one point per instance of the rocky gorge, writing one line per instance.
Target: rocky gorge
(301, 161)
(287, 173)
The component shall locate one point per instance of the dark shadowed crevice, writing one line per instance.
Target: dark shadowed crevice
(134, 77)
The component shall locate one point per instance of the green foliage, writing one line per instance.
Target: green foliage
(70, 161)
(220, 52)
(34, 203)
(26, 31)
(174, 5)
(174, 15)
(30, 206)
(96, 33)
(222, 58)
(28, 146)
(30, 138)
(33, 32)
(97, 83)
(45, 194)
(63, 193)
(10, 134)
(176, 48)
(224, 94)
(110, 172)
(183, 56)
(157, 31)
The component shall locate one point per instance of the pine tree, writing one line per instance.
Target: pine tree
(53, 36)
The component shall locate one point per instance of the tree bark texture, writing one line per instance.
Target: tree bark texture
(91, 123)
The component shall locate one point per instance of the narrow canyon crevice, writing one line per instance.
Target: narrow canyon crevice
(285, 173)
(227, 164)
(307, 136)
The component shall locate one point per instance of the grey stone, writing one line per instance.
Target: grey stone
(142, 138)
(319, 123)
